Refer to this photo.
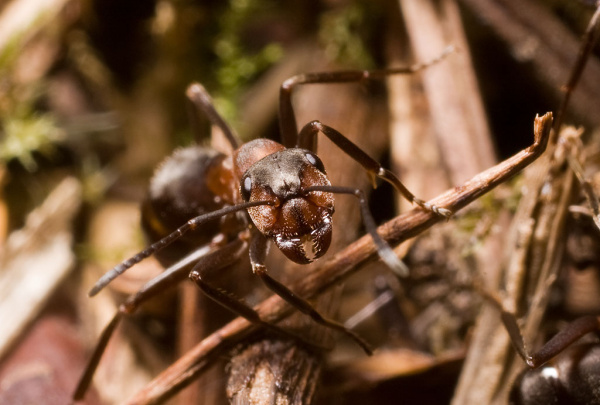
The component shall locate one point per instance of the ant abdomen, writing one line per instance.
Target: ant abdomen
(186, 184)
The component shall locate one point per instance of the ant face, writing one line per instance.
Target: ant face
(299, 222)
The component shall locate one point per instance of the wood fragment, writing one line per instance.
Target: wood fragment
(35, 259)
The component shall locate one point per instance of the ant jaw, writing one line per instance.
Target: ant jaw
(305, 248)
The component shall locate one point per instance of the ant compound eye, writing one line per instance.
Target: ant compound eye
(315, 161)
(246, 187)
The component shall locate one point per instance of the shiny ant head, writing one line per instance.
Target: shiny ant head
(298, 222)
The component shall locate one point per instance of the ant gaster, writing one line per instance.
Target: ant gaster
(285, 192)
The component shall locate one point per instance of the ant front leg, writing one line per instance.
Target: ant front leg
(559, 342)
(258, 251)
(570, 378)
(235, 305)
(372, 167)
(383, 249)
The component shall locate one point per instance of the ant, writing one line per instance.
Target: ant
(263, 191)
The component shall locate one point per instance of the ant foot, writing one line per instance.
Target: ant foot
(443, 212)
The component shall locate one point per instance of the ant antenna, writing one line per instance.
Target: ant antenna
(166, 241)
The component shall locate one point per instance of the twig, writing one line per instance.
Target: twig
(456, 109)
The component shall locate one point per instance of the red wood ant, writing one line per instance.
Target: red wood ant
(283, 192)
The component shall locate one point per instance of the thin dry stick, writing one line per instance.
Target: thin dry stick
(35, 259)
(342, 265)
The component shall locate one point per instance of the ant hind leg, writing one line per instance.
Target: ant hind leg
(203, 104)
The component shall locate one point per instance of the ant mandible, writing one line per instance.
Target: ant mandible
(284, 191)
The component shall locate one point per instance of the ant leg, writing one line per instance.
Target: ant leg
(563, 339)
(287, 119)
(258, 250)
(238, 307)
(92, 365)
(218, 259)
(167, 240)
(200, 98)
(559, 342)
(383, 249)
(372, 167)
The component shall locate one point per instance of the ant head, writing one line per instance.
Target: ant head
(298, 222)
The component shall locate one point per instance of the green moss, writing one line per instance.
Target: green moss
(26, 133)
(237, 66)
(343, 33)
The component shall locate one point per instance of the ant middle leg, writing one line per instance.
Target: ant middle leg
(307, 139)
(258, 250)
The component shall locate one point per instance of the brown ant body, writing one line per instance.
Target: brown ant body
(283, 192)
